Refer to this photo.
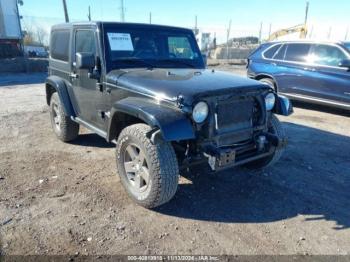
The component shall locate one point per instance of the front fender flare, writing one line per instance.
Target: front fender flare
(172, 122)
(60, 86)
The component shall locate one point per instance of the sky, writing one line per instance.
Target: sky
(213, 16)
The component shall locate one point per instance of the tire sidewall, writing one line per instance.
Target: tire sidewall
(55, 101)
(122, 144)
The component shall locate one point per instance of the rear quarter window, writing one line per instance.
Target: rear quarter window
(271, 52)
(280, 53)
(59, 46)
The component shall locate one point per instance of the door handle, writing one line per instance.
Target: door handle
(73, 76)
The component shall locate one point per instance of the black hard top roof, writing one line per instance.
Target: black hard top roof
(99, 23)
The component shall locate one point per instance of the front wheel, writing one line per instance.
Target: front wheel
(149, 172)
(276, 129)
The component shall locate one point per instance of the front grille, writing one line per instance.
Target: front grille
(236, 119)
(235, 114)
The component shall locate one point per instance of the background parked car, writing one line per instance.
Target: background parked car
(36, 51)
(318, 72)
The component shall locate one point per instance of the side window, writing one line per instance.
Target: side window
(280, 53)
(180, 47)
(297, 52)
(270, 52)
(327, 55)
(60, 45)
(85, 41)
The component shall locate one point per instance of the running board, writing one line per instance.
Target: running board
(90, 127)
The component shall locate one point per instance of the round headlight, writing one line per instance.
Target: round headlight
(200, 112)
(270, 101)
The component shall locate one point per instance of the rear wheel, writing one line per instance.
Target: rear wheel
(149, 172)
(64, 128)
(276, 129)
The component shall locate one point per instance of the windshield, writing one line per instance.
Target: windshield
(150, 47)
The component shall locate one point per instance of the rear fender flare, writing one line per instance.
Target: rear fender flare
(60, 87)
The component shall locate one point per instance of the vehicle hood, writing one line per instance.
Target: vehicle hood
(191, 84)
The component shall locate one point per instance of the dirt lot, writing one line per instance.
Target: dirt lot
(58, 198)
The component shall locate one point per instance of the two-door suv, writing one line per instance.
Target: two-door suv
(146, 88)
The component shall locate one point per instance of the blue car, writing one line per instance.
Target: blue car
(316, 72)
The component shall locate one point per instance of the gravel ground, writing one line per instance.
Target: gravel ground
(58, 198)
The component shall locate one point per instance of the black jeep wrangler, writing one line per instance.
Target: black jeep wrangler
(146, 88)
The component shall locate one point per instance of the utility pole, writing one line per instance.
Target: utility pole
(260, 32)
(150, 17)
(195, 22)
(311, 32)
(270, 30)
(89, 14)
(346, 34)
(330, 32)
(65, 11)
(306, 12)
(228, 38)
(122, 11)
(195, 29)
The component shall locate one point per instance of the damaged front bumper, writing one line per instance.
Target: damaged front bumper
(227, 157)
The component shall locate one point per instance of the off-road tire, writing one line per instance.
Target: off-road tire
(269, 82)
(162, 165)
(277, 129)
(67, 130)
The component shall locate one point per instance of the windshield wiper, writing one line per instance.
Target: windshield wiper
(177, 62)
(134, 60)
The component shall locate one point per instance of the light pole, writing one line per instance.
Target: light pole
(65, 11)
(228, 38)
(122, 11)
(306, 11)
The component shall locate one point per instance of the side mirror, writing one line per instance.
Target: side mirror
(205, 59)
(345, 63)
(85, 61)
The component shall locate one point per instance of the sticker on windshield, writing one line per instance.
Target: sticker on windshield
(120, 42)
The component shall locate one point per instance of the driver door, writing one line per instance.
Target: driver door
(84, 88)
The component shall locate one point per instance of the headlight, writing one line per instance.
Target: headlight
(270, 101)
(200, 112)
